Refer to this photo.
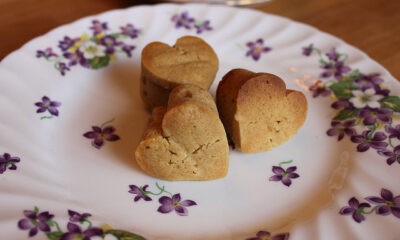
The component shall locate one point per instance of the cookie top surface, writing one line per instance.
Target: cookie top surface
(186, 140)
(188, 93)
(258, 112)
(190, 60)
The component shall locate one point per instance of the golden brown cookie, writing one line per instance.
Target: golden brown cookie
(186, 140)
(190, 61)
(257, 111)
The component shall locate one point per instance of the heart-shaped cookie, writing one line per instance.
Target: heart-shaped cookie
(190, 61)
(257, 111)
(185, 141)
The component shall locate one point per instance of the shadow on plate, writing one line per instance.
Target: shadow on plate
(131, 119)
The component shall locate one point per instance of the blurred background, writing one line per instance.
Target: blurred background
(371, 25)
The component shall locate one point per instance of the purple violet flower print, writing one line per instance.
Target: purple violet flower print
(77, 217)
(264, 235)
(342, 128)
(110, 44)
(130, 31)
(62, 67)
(101, 134)
(35, 221)
(342, 103)
(6, 161)
(394, 132)
(47, 53)
(256, 49)
(182, 20)
(319, 89)
(381, 91)
(139, 192)
(365, 141)
(98, 27)
(75, 58)
(370, 116)
(93, 51)
(128, 49)
(361, 100)
(393, 156)
(387, 204)
(368, 81)
(204, 26)
(47, 105)
(109, 40)
(168, 204)
(284, 175)
(308, 50)
(333, 55)
(336, 69)
(356, 209)
(75, 232)
(66, 43)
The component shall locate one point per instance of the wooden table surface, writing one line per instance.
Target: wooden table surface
(371, 25)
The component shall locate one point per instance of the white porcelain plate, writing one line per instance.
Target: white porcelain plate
(71, 118)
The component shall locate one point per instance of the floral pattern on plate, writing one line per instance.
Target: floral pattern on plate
(265, 235)
(366, 112)
(385, 205)
(170, 202)
(101, 134)
(256, 49)
(284, 175)
(8, 162)
(91, 51)
(78, 227)
(377, 127)
(47, 105)
(183, 20)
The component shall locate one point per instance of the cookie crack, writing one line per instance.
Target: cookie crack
(206, 145)
(199, 148)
